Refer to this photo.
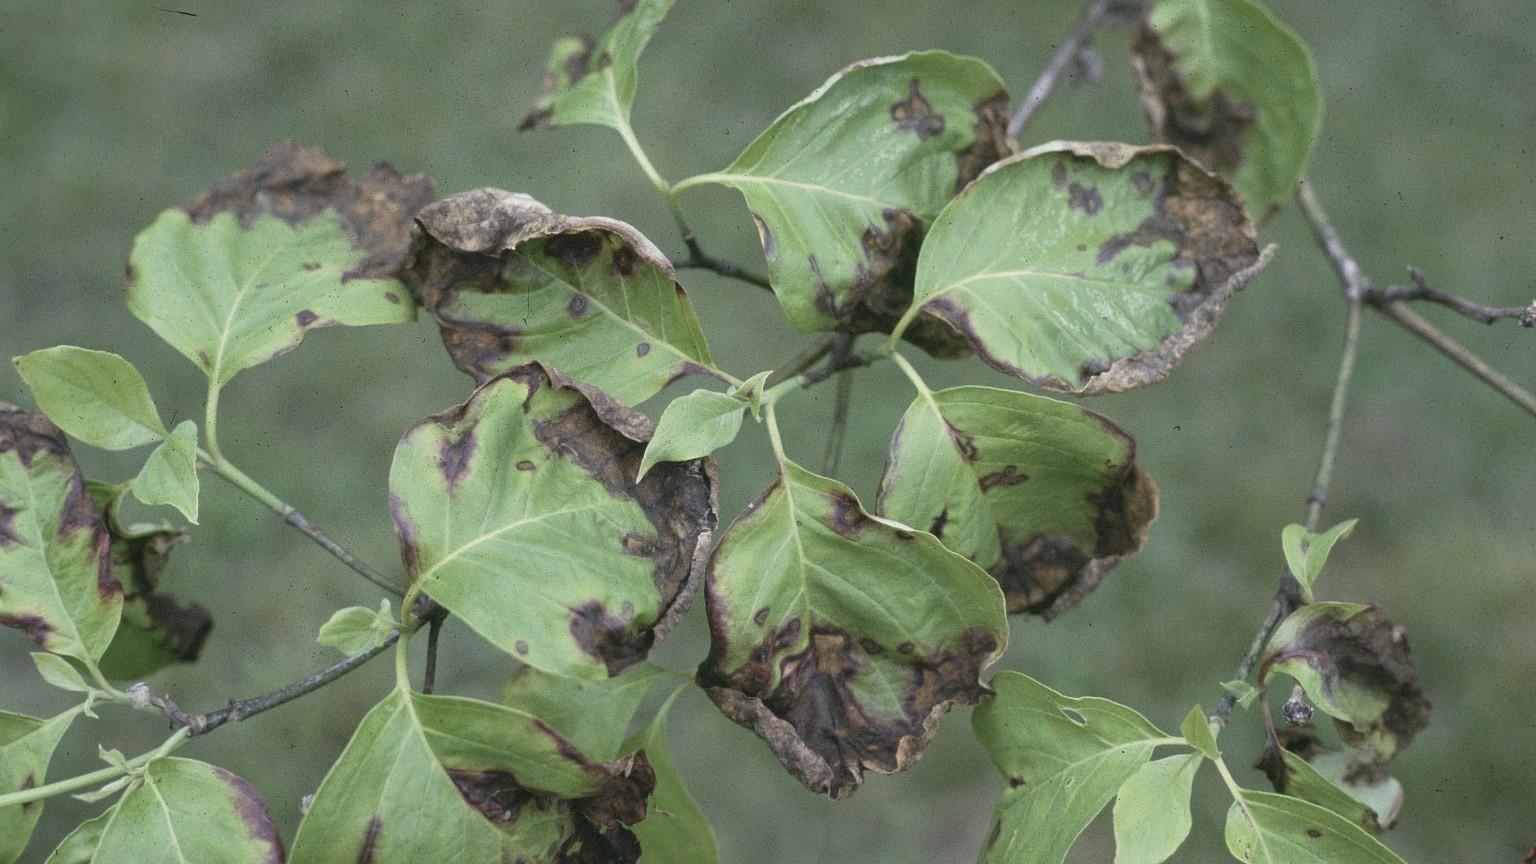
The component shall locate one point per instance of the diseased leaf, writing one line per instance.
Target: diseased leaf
(427, 775)
(841, 638)
(1306, 553)
(752, 390)
(156, 630)
(59, 673)
(1196, 729)
(593, 715)
(79, 847)
(1152, 810)
(675, 830)
(594, 81)
(1044, 495)
(57, 584)
(188, 812)
(518, 511)
(1353, 663)
(240, 274)
(509, 281)
(1348, 782)
(1087, 267)
(1064, 759)
(96, 396)
(1265, 828)
(356, 629)
(694, 426)
(1234, 89)
(843, 184)
(26, 747)
(170, 474)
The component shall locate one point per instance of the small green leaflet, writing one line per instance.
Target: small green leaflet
(842, 184)
(169, 476)
(1152, 810)
(26, 747)
(182, 811)
(1087, 267)
(1196, 729)
(1044, 495)
(534, 476)
(96, 396)
(57, 583)
(842, 638)
(1265, 828)
(1235, 89)
(752, 390)
(58, 672)
(356, 629)
(694, 426)
(594, 82)
(1064, 759)
(675, 830)
(1242, 691)
(510, 281)
(242, 273)
(1306, 553)
(593, 715)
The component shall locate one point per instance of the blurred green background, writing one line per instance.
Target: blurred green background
(110, 112)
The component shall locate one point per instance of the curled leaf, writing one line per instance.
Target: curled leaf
(356, 629)
(594, 81)
(1348, 782)
(1044, 495)
(841, 638)
(509, 280)
(1354, 665)
(1087, 267)
(519, 511)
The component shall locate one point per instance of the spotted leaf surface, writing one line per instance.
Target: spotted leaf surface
(1044, 495)
(594, 81)
(593, 715)
(1232, 87)
(240, 274)
(187, 812)
(519, 511)
(1064, 759)
(843, 183)
(57, 584)
(842, 638)
(1087, 268)
(431, 778)
(26, 748)
(1265, 828)
(510, 281)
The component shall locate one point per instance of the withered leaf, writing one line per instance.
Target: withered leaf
(1348, 782)
(510, 281)
(1044, 495)
(842, 638)
(1087, 267)
(519, 511)
(594, 80)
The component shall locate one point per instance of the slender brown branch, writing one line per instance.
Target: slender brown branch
(1356, 286)
(697, 260)
(805, 359)
(434, 627)
(1076, 40)
(1416, 325)
(1421, 290)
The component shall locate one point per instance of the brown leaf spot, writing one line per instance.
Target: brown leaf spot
(1010, 475)
(405, 532)
(939, 523)
(252, 812)
(1084, 198)
(8, 535)
(370, 841)
(392, 297)
(914, 114)
(760, 617)
(765, 237)
(1141, 181)
(522, 647)
(577, 306)
(525, 465)
(576, 249)
(454, 456)
(624, 260)
(310, 266)
(989, 139)
(33, 626)
(305, 317)
(203, 360)
(642, 349)
(847, 517)
(1314, 833)
(608, 637)
(28, 433)
(638, 544)
(1212, 131)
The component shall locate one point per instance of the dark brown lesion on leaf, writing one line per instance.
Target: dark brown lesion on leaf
(454, 455)
(989, 139)
(305, 317)
(296, 184)
(1084, 198)
(33, 626)
(365, 852)
(847, 516)
(252, 812)
(1212, 131)
(914, 114)
(8, 535)
(28, 433)
(1008, 475)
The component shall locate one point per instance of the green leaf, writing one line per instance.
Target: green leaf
(1306, 553)
(242, 273)
(96, 396)
(1197, 731)
(170, 474)
(156, 630)
(79, 847)
(1064, 759)
(1265, 828)
(1152, 810)
(843, 183)
(1354, 665)
(356, 629)
(58, 672)
(510, 281)
(1235, 89)
(675, 830)
(1087, 267)
(1361, 792)
(56, 579)
(425, 774)
(752, 391)
(1044, 495)
(533, 476)
(594, 82)
(593, 715)
(1242, 691)
(189, 812)
(842, 638)
(694, 426)
(26, 747)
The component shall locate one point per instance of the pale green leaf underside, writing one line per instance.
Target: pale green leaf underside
(830, 180)
(356, 629)
(189, 812)
(169, 476)
(593, 715)
(604, 90)
(1265, 828)
(26, 747)
(1152, 810)
(675, 830)
(96, 396)
(1308, 783)
(79, 847)
(230, 297)
(694, 426)
(1196, 729)
(59, 673)
(1306, 553)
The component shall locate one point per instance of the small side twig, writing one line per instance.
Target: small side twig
(434, 627)
(844, 398)
(1421, 290)
(804, 360)
(1415, 324)
(697, 260)
(1066, 55)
